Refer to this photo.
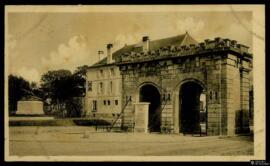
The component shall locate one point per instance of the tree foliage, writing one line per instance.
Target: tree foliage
(48, 81)
(61, 86)
(81, 71)
(17, 89)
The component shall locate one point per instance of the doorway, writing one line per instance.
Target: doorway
(191, 107)
(149, 93)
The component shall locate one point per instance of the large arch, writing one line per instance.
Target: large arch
(150, 93)
(189, 116)
(195, 80)
(188, 87)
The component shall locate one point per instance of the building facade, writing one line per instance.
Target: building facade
(174, 74)
(104, 89)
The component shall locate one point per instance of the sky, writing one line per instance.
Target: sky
(42, 41)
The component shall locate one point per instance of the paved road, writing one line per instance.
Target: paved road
(55, 141)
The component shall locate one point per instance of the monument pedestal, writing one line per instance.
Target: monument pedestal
(30, 107)
(141, 117)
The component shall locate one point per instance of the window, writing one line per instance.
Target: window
(116, 102)
(197, 62)
(101, 73)
(112, 72)
(104, 102)
(169, 97)
(164, 97)
(210, 96)
(216, 95)
(109, 102)
(94, 105)
(111, 87)
(100, 89)
(89, 85)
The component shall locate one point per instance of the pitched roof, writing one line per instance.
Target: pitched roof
(179, 40)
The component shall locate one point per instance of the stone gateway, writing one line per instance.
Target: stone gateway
(187, 84)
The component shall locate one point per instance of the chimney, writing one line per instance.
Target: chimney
(109, 53)
(145, 40)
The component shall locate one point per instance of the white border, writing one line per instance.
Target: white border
(259, 79)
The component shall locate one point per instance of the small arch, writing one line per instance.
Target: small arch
(150, 83)
(151, 94)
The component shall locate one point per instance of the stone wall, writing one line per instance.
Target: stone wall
(218, 74)
(244, 96)
(220, 66)
(167, 79)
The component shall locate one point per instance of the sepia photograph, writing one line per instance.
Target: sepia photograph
(134, 83)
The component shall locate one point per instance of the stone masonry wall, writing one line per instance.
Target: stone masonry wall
(223, 90)
(215, 96)
(232, 92)
(244, 96)
(167, 80)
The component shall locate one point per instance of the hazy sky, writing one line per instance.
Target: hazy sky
(38, 42)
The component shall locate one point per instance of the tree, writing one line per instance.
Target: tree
(61, 87)
(17, 89)
(81, 71)
(33, 85)
(48, 82)
(80, 77)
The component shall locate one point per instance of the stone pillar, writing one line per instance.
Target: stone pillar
(232, 94)
(141, 117)
(244, 92)
(176, 111)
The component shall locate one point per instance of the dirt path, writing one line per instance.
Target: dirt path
(55, 141)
